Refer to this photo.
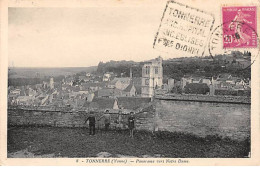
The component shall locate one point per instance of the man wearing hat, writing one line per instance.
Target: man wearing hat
(92, 123)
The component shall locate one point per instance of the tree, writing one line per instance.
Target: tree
(176, 90)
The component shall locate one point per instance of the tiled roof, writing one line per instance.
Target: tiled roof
(100, 103)
(91, 84)
(121, 79)
(132, 103)
(129, 87)
(113, 82)
(109, 92)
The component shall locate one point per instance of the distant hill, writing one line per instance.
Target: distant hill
(178, 67)
(46, 72)
(120, 67)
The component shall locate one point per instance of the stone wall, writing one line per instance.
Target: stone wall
(202, 118)
(58, 118)
(46, 117)
(199, 118)
(206, 98)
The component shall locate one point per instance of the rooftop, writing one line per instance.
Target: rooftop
(132, 103)
(100, 103)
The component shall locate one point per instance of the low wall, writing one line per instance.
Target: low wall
(206, 98)
(202, 118)
(46, 117)
(58, 118)
(199, 118)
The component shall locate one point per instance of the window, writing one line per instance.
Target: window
(146, 81)
(147, 70)
(156, 70)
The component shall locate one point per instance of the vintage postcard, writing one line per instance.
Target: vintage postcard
(129, 82)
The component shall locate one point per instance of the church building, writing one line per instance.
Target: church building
(152, 77)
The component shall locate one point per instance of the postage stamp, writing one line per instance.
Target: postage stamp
(237, 31)
(183, 29)
(239, 25)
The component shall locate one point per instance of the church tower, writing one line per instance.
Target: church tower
(152, 76)
(51, 83)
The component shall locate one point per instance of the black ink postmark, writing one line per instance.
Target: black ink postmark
(183, 29)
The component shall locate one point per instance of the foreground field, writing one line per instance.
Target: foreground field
(52, 142)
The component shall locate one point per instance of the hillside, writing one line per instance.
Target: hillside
(31, 76)
(178, 67)
(46, 72)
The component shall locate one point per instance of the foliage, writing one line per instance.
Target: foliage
(176, 70)
(176, 90)
(120, 68)
(196, 88)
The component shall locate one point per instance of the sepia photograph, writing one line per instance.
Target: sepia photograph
(169, 80)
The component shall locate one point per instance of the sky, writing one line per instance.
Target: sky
(84, 36)
(79, 37)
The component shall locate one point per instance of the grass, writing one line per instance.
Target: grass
(75, 142)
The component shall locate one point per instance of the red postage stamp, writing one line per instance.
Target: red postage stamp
(239, 27)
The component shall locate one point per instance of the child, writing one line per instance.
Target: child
(131, 124)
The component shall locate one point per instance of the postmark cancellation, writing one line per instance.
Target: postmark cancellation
(183, 29)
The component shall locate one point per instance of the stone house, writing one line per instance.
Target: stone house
(120, 83)
(130, 91)
(194, 79)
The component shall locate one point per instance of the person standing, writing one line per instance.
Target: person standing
(120, 121)
(92, 123)
(131, 124)
(107, 119)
